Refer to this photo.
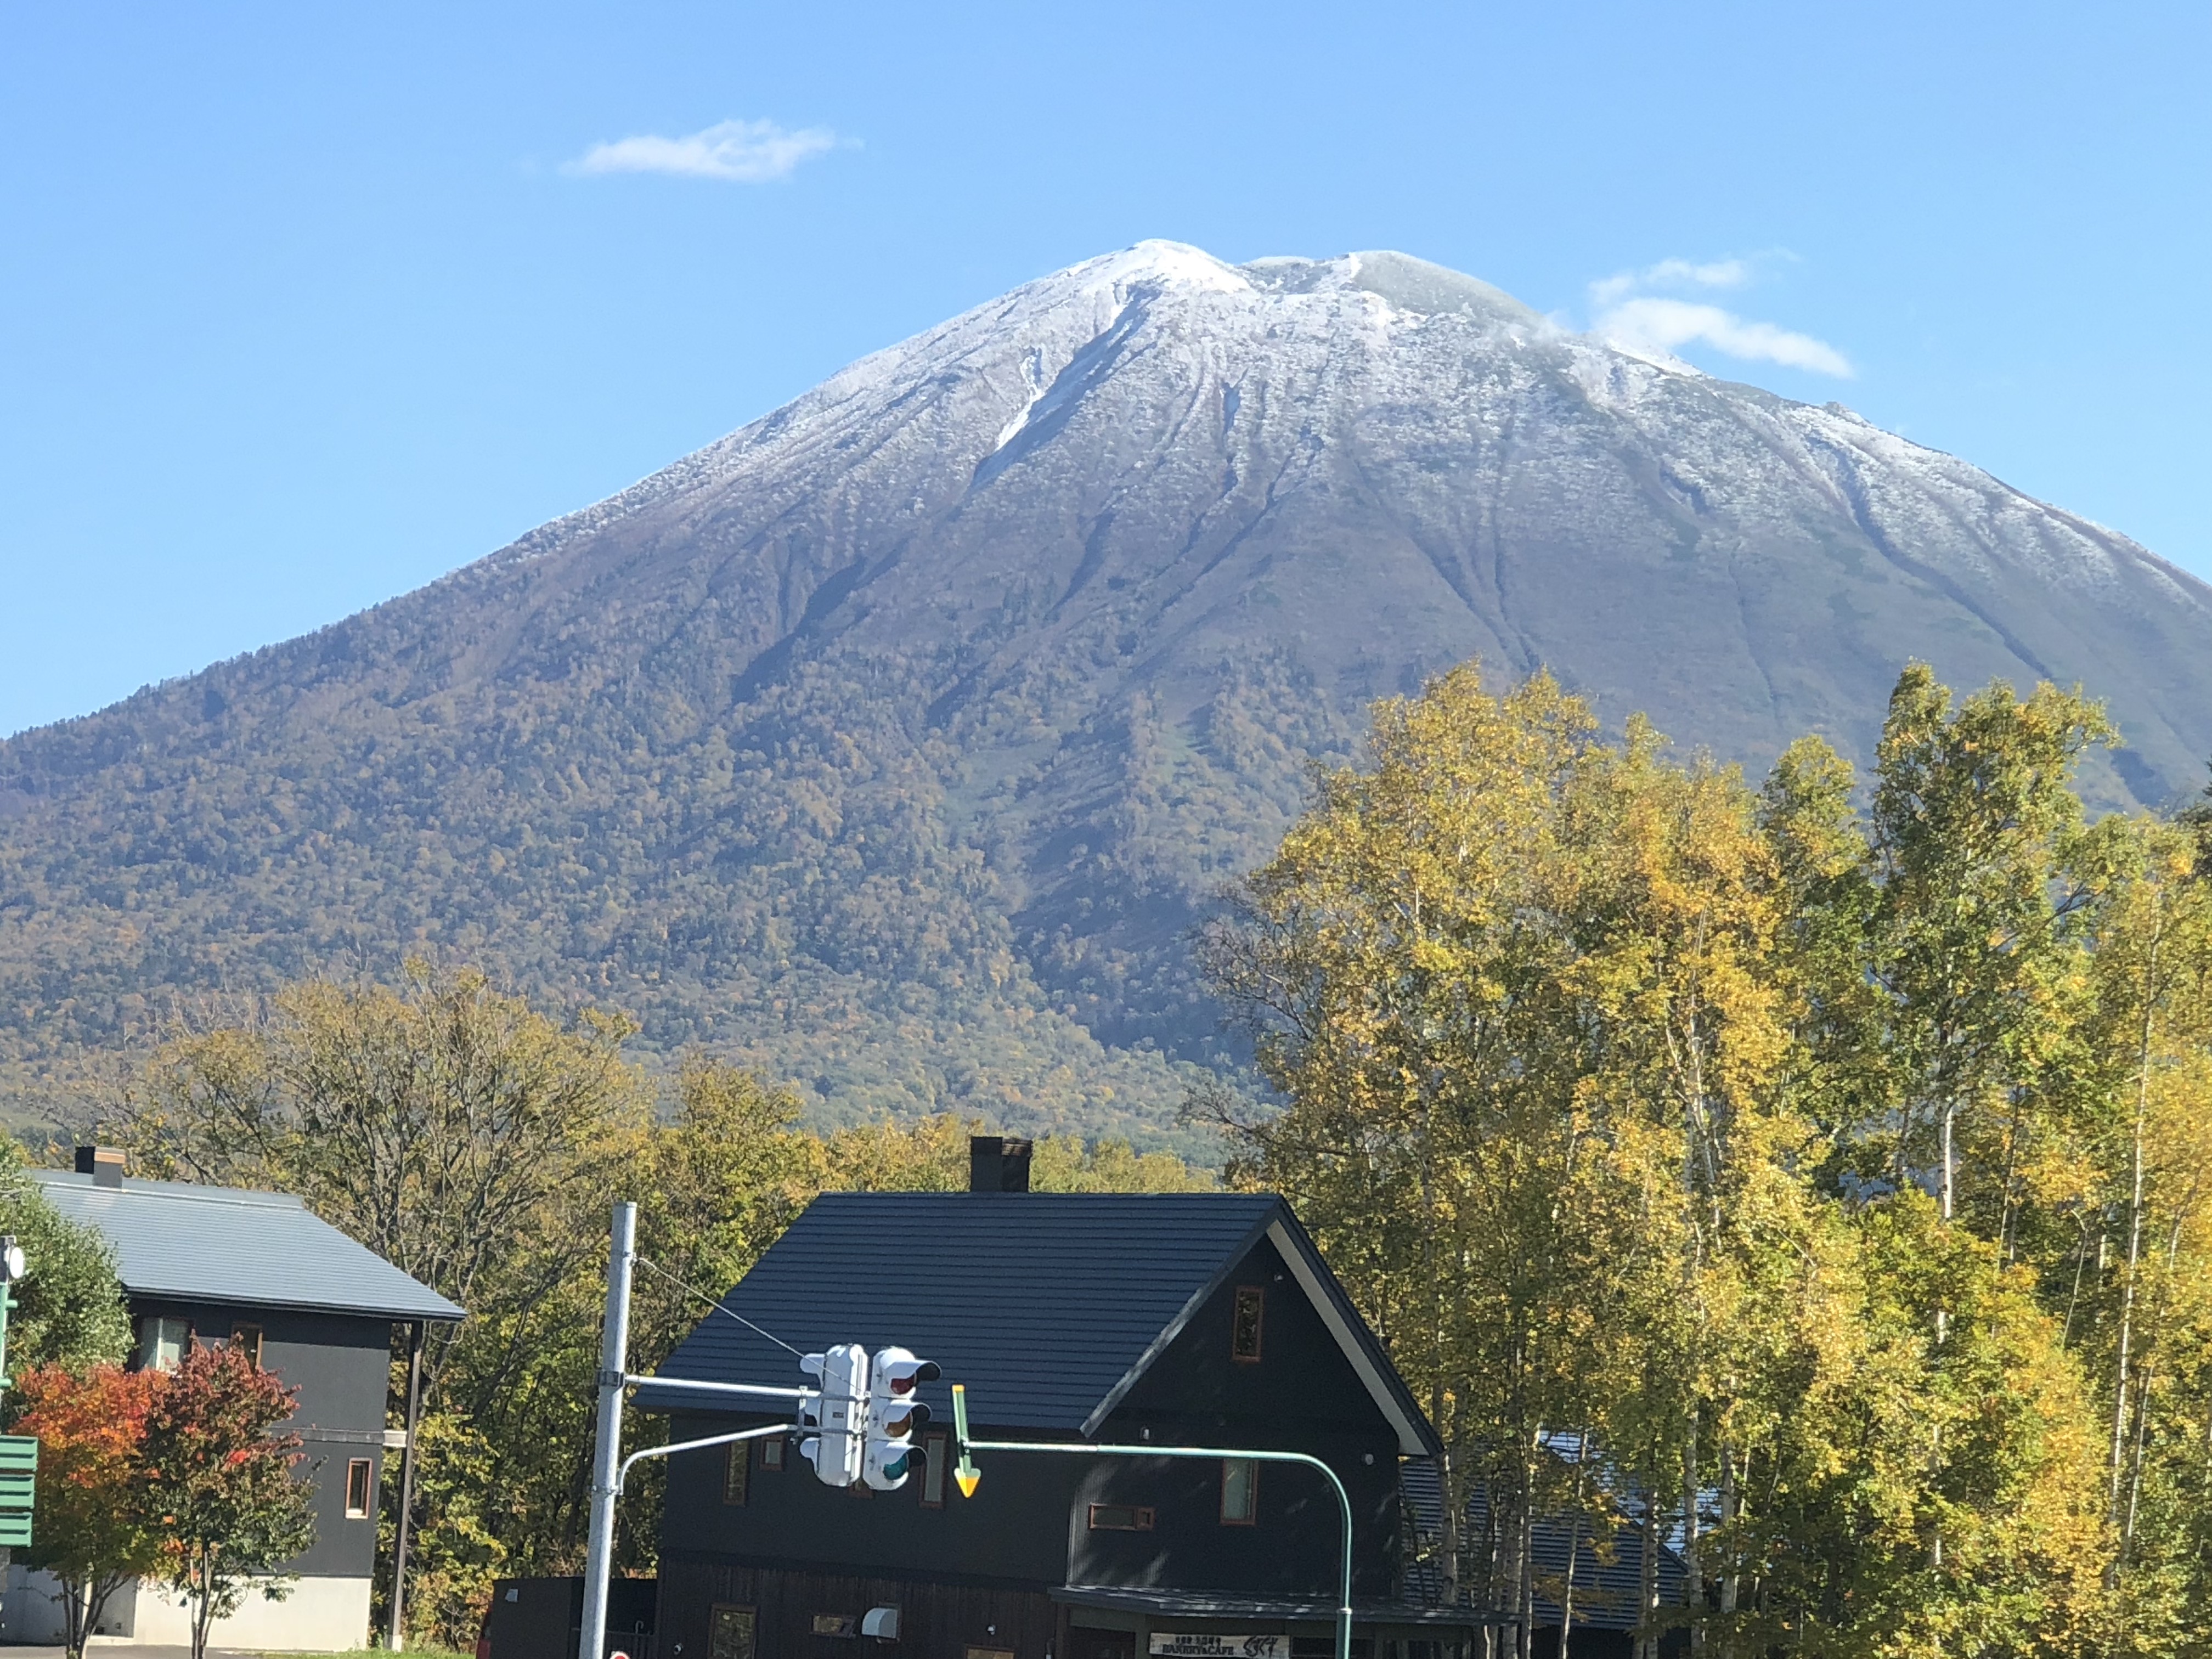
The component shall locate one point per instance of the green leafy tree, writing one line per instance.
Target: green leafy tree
(2138, 1285)
(444, 1124)
(1587, 1058)
(456, 1550)
(70, 1307)
(221, 1485)
(476, 1143)
(1973, 829)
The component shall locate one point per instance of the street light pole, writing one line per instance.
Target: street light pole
(606, 1455)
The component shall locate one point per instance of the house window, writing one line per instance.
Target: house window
(1240, 1492)
(162, 1342)
(771, 1455)
(934, 1457)
(1120, 1517)
(729, 1632)
(736, 1471)
(359, 1472)
(836, 1624)
(989, 1653)
(1245, 1327)
(247, 1338)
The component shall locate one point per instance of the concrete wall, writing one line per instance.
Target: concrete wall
(319, 1615)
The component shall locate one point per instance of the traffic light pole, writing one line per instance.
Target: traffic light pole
(606, 1451)
(1085, 1448)
(610, 1469)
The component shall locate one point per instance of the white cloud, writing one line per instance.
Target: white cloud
(1671, 273)
(741, 152)
(1628, 312)
(1661, 324)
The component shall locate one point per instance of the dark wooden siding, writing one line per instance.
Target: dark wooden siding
(341, 1365)
(1027, 1529)
(1015, 1527)
(1302, 1395)
(938, 1618)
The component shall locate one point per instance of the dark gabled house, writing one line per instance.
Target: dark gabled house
(217, 1265)
(1193, 1320)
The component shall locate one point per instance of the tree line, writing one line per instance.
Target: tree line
(477, 1143)
(1813, 1173)
(1817, 1174)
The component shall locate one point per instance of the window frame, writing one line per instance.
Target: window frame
(1251, 1516)
(737, 1474)
(1255, 1298)
(1142, 1517)
(771, 1458)
(745, 1611)
(152, 1330)
(360, 1472)
(239, 1335)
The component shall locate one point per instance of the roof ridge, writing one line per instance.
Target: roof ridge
(1034, 1198)
(190, 1192)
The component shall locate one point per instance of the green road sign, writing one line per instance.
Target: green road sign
(19, 1484)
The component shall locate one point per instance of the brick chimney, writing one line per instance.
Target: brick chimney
(998, 1163)
(104, 1164)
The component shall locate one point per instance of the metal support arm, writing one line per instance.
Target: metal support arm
(622, 1476)
(1084, 1449)
(687, 1385)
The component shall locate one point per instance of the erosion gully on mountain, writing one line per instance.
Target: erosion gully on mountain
(893, 742)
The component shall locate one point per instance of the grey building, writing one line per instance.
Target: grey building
(221, 1265)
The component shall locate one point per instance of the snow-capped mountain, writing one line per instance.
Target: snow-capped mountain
(893, 740)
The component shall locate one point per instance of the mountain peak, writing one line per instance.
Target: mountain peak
(893, 743)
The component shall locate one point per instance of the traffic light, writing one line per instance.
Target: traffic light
(838, 1415)
(894, 1413)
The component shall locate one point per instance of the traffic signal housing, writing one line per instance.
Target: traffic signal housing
(894, 1414)
(838, 1415)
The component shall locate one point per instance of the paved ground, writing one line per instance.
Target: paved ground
(106, 1649)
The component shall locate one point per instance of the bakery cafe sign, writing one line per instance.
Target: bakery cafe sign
(1183, 1645)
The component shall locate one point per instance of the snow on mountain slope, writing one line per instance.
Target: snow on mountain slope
(893, 742)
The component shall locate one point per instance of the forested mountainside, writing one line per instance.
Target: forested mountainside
(892, 743)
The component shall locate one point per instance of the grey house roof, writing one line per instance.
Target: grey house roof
(1048, 1305)
(225, 1245)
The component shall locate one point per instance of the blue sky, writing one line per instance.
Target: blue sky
(300, 306)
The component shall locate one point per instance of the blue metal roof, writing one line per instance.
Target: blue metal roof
(226, 1244)
(1044, 1304)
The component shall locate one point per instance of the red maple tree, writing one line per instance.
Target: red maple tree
(94, 1524)
(220, 1481)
